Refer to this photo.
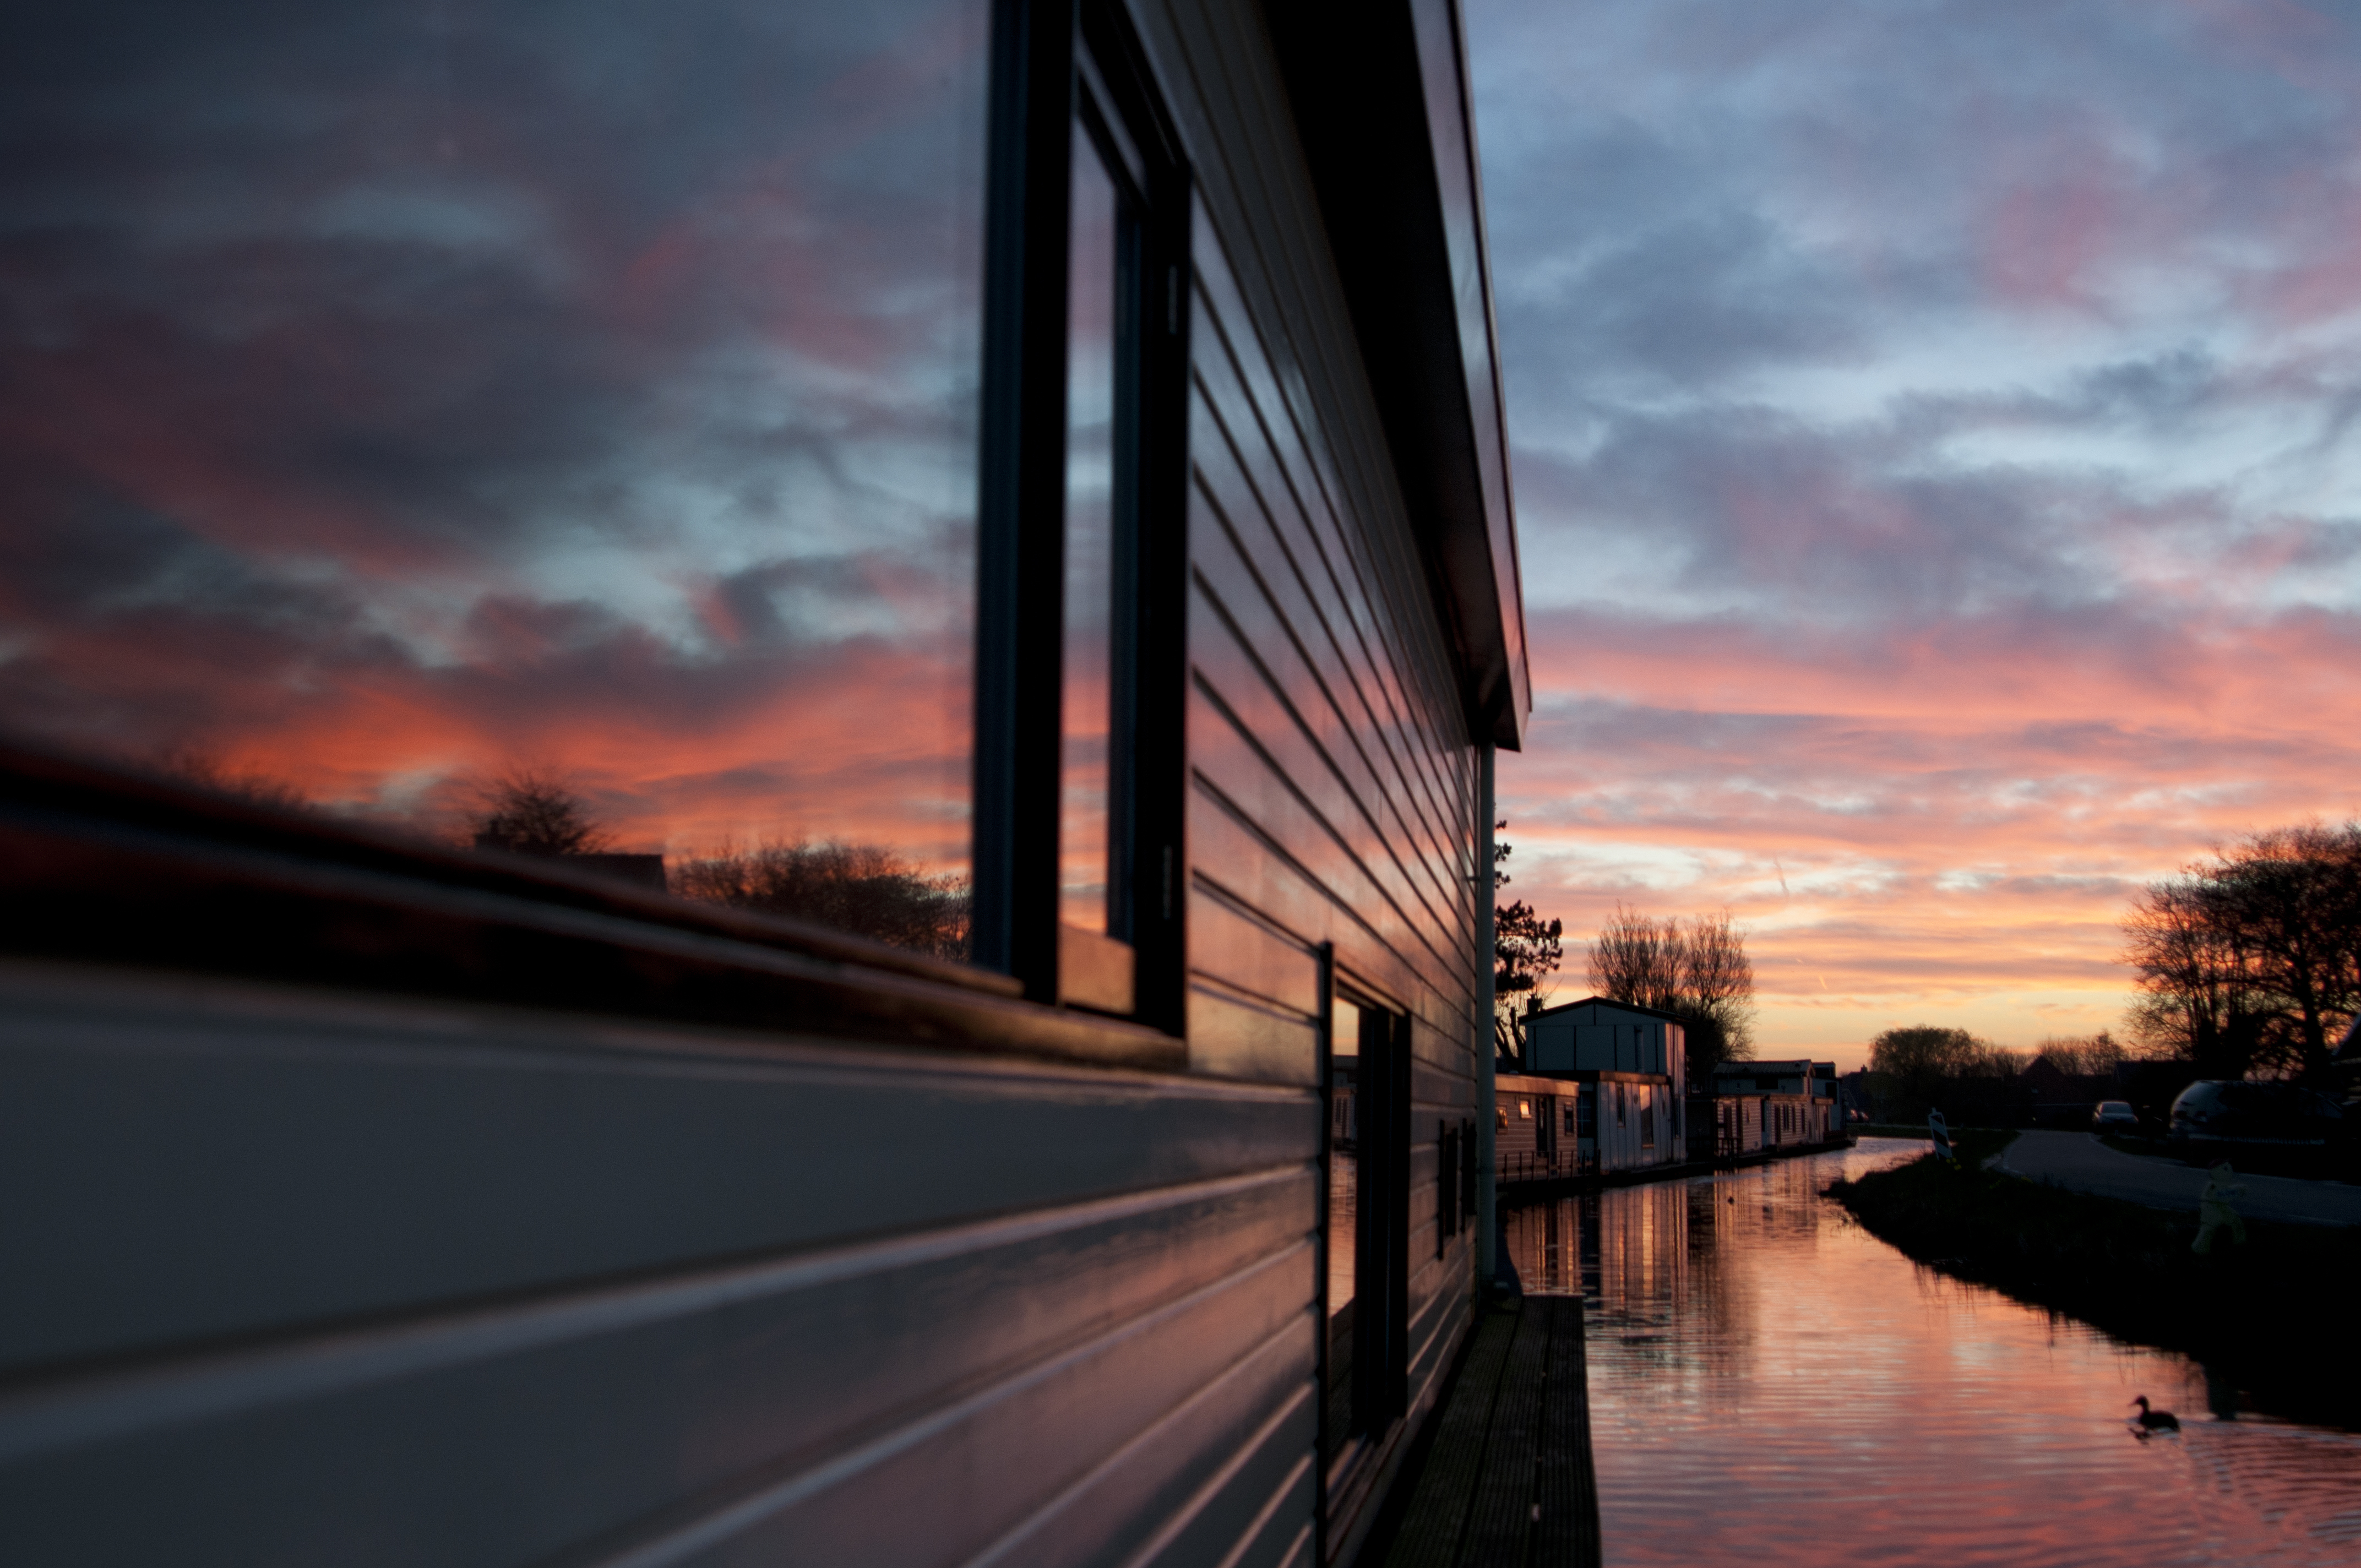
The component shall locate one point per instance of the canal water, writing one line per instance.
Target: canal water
(1772, 1384)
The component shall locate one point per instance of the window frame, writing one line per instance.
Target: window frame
(103, 867)
(109, 865)
(1060, 69)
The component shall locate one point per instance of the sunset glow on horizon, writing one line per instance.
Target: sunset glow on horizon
(1935, 482)
(1933, 428)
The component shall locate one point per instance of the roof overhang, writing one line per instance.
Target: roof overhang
(1618, 1006)
(1381, 102)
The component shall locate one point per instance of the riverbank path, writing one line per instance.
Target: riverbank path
(2082, 1163)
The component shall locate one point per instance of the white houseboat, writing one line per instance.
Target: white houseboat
(1763, 1106)
(1630, 1066)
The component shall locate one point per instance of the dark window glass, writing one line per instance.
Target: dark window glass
(1446, 1184)
(551, 425)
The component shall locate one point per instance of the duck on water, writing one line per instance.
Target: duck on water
(2156, 1420)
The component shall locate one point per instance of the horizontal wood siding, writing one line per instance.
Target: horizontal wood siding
(297, 1280)
(307, 1279)
(1333, 790)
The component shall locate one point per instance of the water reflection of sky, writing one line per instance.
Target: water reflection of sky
(1769, 1382)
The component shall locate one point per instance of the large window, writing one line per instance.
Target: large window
(1081, 637)
(571, 429)
(551, 425)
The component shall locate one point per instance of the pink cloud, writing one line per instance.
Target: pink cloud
(1919, 822)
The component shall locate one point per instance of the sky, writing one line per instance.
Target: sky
(1932, 440)
(1931, 431)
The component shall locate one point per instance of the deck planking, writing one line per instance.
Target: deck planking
(1508, 1482)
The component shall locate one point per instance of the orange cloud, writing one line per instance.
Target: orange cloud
(1942, 825)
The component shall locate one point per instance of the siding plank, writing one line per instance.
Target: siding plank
(241, 1164)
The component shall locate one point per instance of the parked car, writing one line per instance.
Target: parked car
(2114, 1116)
(2212, 1112)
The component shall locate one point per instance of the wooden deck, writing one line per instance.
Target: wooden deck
(1507, 1482)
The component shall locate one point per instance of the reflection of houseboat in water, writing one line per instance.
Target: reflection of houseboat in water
(383, 1202)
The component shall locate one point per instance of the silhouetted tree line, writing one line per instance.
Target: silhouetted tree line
(2249, 961)
(1972, 1081)
(864, 889)
(1921, 1067)
(1696, 970)
(532, 811)
(2082, 1056)
(208, 772)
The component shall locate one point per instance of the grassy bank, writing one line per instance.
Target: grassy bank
(2273, 1316)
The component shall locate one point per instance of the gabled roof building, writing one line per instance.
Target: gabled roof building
(1632, 1065)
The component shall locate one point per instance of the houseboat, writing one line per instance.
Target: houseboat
(1542, 1128)
(1760, 1105)
(1008, 502)
(1629, 1065)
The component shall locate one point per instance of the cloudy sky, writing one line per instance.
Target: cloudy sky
(1935, 464)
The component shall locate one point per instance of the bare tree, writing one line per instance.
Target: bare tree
(865, 889)
(1718, 993)
(2081, 1056)
(1698, 971)
(2199, 1000)
(2252, 959)
(2292, 898)
(1638, 960)
(530, 810)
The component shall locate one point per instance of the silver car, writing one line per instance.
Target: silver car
(2114, 1115)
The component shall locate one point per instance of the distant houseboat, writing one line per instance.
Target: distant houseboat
(1760, 1105)
(1539, 1128)
(1629, 1065)
(1054, 451)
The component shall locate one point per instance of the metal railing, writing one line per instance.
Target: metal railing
(1527, 1165)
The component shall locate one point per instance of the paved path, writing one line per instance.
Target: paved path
(2080, 1161)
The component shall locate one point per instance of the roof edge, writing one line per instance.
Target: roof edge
(1611, 1002)
(1385, 118)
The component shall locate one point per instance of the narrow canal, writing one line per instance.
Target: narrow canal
(1772, 1384)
